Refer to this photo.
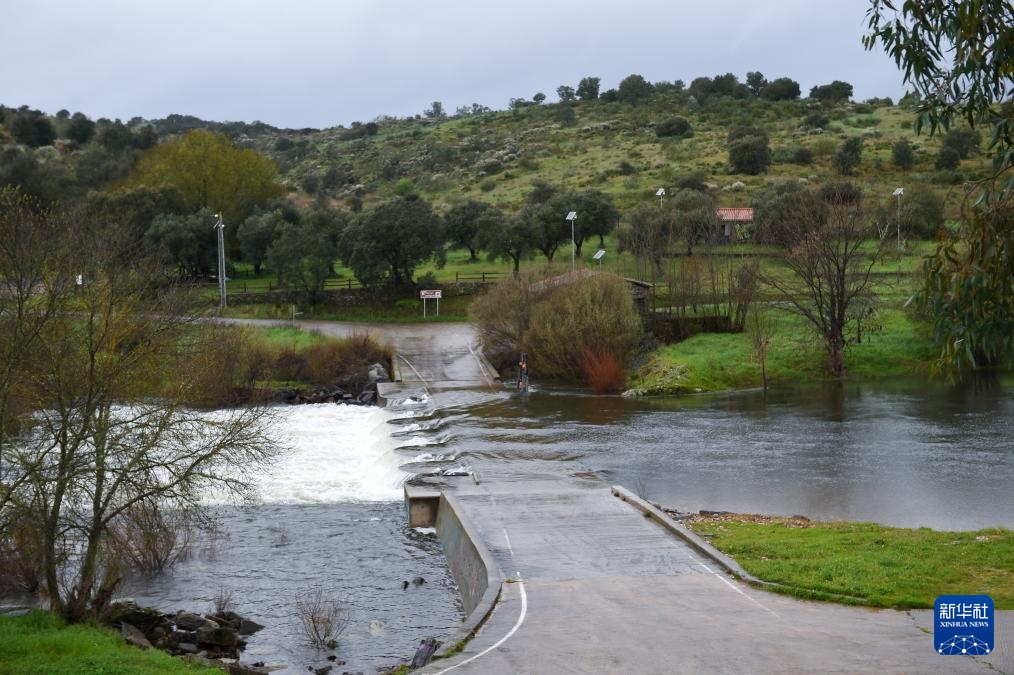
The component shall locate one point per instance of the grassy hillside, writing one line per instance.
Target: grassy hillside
(610, 146)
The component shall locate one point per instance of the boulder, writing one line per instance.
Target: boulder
(188, 648)
(128, 611)
(134, 636)
(425, 652)
(191, 621)
(248, 627)
(378, 373)
(222, 637)
(244, 669)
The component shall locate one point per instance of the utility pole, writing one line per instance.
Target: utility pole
(220, 226)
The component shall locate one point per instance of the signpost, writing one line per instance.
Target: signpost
(431, 295)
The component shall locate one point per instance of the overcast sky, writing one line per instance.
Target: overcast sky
(319, 63)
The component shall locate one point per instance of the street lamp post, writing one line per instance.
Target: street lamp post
(898, 192)
(572, 216)
(220, 226)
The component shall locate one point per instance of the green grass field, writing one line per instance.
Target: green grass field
(717, 361)
(40, 643)
(876, 565)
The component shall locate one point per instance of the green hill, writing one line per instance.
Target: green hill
(496, 156)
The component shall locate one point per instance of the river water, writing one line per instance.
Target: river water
(905, 453)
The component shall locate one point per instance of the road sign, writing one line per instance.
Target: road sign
(435, 294)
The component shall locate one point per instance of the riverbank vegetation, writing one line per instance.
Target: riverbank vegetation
(581, 326)
(229, 365)
(41, 643)
(866, 563)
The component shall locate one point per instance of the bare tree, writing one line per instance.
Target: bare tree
(761, 328)
(103, 446)
(830, 269)
(322, 616)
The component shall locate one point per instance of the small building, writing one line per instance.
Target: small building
(735, 222)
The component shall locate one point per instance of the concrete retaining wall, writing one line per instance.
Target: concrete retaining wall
(472, 567)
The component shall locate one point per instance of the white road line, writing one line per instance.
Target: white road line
(521, 617)
(487, 650)
(509, 547)
(735, 588)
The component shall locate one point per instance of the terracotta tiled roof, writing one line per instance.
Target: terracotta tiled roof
(740, 215)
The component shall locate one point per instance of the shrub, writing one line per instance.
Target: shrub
(602, 371)
(816, 120)
(802, 156)
(963, 141)
(841, 193)
(625, 168)
(849, 156)
(501, 316)
(948, 158)
(674, 126)
(596, 313)
(694, 181)
(323, 617)
(902, 155)
(749, 154)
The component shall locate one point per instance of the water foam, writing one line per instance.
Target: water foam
(338, 453)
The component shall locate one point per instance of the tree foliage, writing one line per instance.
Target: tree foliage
(634, 88)
(80, 129)
(389, 240)
(210, 172)
(187, 242)
(256, 234)
(958, 56)
(785, 211)
(588, 88)
(509, 237)
(849, 156)
(595, 313)
(674, 126)
(33, 129)
(463, 221)
(835, 92)
(782, 89)
(749, 151)
(902, 155)
(301, 256)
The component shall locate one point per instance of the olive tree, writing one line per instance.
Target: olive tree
(391, 239)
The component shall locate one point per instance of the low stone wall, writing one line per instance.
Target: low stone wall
(671, 328)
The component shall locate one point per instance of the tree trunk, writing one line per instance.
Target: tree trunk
(472, 257)
(836, 355)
